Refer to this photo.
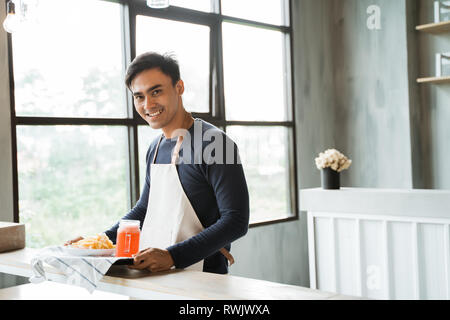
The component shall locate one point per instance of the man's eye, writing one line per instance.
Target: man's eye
(155, 93)
(139, 98)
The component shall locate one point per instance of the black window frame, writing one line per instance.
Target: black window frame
(216, 114)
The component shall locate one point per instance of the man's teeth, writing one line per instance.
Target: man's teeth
(155, 114)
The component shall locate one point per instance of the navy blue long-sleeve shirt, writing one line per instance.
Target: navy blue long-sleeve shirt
(216, 189)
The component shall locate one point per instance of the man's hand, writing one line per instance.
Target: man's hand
(69, 242)
(153, 259)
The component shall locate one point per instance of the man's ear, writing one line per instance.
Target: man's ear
(180, 87)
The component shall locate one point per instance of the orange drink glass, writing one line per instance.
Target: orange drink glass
(128, 235)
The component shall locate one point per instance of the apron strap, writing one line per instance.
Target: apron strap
(227, 255)
(176, 150)
(157, 147)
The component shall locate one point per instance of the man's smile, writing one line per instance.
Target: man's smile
(154, 113)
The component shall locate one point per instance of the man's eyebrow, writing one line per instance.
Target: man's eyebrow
(148, 90)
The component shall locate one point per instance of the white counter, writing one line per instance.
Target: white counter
(379, 243)
(400, 202)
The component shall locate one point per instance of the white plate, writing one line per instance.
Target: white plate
(73, 251)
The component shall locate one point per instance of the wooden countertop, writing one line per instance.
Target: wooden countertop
(174, 284)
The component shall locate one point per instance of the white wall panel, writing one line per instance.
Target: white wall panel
(382, 257)
(324, 252)
(371, 256)
(401, 260)
(432, 261)
(346, 256)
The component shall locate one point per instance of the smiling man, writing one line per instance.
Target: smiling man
(189, 212)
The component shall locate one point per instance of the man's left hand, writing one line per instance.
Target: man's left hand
(153, 259)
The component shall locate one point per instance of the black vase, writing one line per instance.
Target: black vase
(330, 179)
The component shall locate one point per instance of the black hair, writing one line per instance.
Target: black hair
(151, 60)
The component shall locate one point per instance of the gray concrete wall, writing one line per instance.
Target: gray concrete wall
(370, 72)
(353, 90)
(276, 252)
(314, 85)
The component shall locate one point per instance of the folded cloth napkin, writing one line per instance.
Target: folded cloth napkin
(83, 271)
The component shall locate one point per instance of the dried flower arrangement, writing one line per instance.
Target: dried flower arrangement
(333, 159)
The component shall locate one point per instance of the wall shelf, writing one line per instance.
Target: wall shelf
(434, 80)
(435, 28)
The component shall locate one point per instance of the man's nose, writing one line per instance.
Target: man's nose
(148, 103)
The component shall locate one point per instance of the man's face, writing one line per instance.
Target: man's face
(155, 98)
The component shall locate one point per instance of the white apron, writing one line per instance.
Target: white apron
(170, 217)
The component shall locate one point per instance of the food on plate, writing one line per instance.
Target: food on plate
(99, 241)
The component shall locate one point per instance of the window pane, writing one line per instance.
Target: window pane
(145, 137)
(70, 65)
(190, 44)
(200, 5)
(264, 156)
(253, 73)
(268, 11)
(72, 180)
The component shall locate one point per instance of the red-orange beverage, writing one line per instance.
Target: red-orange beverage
(127, 242)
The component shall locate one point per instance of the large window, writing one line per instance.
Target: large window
(189, 42)
(81, 146)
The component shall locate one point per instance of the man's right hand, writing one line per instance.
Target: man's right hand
(67, 243)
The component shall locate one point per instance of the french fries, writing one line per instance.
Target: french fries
(99, 241)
